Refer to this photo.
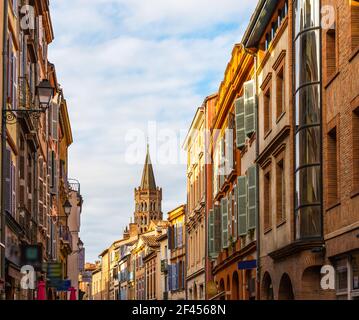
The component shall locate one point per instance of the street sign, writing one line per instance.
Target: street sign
(60, 285)
(247, 265)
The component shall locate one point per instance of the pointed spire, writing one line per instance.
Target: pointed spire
(148, 178)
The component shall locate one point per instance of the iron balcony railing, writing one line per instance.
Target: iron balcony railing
(65, 235)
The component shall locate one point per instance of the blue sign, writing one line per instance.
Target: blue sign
(61, 285)
(247, 265)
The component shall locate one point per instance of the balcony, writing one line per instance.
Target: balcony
(65, 237)
(26, 98)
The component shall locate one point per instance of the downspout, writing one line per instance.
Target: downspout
(3, 147)
(258, 274)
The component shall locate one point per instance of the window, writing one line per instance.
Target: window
(280, 177)
(355, 139)
(347, 277)
(267, 110)
(332, 168)
(267, 200)
(280, 85)
(355, 23)
(331, 52)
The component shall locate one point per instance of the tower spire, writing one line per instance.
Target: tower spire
(148, 178)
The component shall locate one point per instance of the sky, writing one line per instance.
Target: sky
(132, 71)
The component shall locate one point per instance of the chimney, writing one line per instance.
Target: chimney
(133, 230)
(126, 234)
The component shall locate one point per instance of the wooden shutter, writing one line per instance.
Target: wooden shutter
(217, 230)
(169, 237)
(211, 252)
(249, 107)
(224, 209)
(170, 277)
(230, 216)
(55, 121)
(240, 130)
(13, 189)
(229, 146)
(222, 162)
(14, 82)
(235, 213)
(252, 197)
(180, 235)
(8, 180)
(242, 206)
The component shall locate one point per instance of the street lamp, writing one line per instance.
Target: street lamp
(67, 207)
(45, 92)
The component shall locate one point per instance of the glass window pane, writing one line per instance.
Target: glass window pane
(309, 222)
(355, 267)
(307, 58)
(308, 146)
(308, 105)
(307, 14)
(308, 186)
(342, 275)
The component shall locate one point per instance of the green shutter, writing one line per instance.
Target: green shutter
(224, 209)
(242, 205)
(217, 230)
(249, 108)
(235, 213)
(240, 131)
(252, 197)
(222, 163)
(211, 250)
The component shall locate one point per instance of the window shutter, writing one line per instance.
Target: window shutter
(252, 197)
(183, 275)
(49, 164)
(177, 276)
(169, 277)
(10, 69)
(180, 235)
(211, 252)
(249, 107)
(8, 180)
(175, 236)
(240, 131)
(169, 237)
(13, 189)
(174, 275)
(217, 229)
(55, 120)
(222, 162)
(224, 209)
(242, 206)
(14, 82)
(235, 213)
(229, 146)
(229, 206)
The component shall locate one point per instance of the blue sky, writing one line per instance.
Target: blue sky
(123, 63)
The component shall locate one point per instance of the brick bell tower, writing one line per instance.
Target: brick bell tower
(148, 198)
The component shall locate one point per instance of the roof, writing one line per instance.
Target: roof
(151, 241)
(148, 178)
(259, 21)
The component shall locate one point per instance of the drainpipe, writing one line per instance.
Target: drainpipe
(3, 148)
(258, 274)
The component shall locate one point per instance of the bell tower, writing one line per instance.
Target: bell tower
(148, 198)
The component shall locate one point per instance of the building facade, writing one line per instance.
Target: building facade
(177, 247)
(195, 217)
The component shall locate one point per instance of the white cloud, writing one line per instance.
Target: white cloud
(122, 64)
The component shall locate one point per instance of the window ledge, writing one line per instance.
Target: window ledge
(282, 222)
(281, 116)
(267, 134)
(354, 193)
(267, 230)
(333, 205)
(354, 53)
(331, 79)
